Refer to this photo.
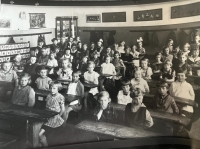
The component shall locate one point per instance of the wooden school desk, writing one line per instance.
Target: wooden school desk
(34, 118)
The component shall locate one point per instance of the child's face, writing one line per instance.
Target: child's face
(196, 39)
(85, 59)
(55, 42)
(182, 58)
(144, 64)
(67, 52)
(166, 51)
(64, 64)
(140, 44)
(162, 90)
(138, 92)
(195, 53)
(138, 75)
(84, 47)
(44, 52)
(6, 66)
(75, 78)
(18, 58)
(126, 88)
(127, 51)
(90, 68)
(99, 44)
(134, 48)
(92, 46)
(95, 56)
(73, 48)
(171, 42)
(79, 44)
(54, 89)
(43, 73)
(116, 55)
(137, 101)
(33, 60)
(24, 81)
(177, 49)
(104, 102)
(108, 50)
(167, 67)
(108, 60)
(41, 44)
(52, 56)
(181, 77)
(185, 48)
(158, 58)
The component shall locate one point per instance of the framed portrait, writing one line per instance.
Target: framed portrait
(95, 18)
(5, 23)
(37, 20)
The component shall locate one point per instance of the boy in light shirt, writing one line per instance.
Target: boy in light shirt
(183, 89)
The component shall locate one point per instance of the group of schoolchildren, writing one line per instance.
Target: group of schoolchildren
(120, 71)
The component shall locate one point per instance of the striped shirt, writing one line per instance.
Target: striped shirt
(54, 103)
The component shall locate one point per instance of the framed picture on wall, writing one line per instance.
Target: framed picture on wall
(37, 20)
(95, 18)
(5, 23)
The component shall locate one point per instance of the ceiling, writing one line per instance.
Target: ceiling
(81, 2)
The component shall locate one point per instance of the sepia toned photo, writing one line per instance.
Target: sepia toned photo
(95, 74)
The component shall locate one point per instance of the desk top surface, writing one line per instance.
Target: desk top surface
(90, 85)
(25, 112)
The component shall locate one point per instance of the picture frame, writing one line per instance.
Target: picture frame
(37, 20)
(5, 23)
(93, 18)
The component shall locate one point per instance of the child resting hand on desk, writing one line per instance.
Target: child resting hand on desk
(54, 102)
(23, 94)
(74, 88)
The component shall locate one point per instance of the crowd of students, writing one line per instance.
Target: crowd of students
(120, 71)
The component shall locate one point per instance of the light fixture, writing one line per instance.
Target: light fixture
(12, 2)
(37, 4)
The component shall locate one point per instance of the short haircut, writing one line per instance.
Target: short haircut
(25, 75)
(6, 62)
(133, 46)
(42, 67)
(145, 59)
(104, 93)
(158, 54)
(182, 70)
(33, 56)
(187, 45)
(76, 72)
(91, 63)
(162, 83)
(168, 62)
(116, 52)
(126, 82)
(57, 84)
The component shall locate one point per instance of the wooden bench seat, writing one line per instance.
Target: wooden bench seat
(155, 114)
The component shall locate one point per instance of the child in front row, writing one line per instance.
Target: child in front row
(136, 112)
(183, 89)
(167, 73)
(74, 88)
(10, 76)
(138, 80)
(65, 73)
(54, 102)
(91, 77)
(123, 96)
(23, 94)
(146, 71)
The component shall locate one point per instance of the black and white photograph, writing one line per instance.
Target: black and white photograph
(99, 74)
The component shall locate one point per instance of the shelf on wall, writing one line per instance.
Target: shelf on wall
(155, 30)
(31, 34)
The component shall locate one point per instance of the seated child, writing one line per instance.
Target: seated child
(76, 57)
(83, 65)
(95, 59)
(194, 58)
(10, 76)
(167, 73)
(43, 81)
(183, 89)
(166, 54)
(67, 55)
(65, 73)
(136, 112)
(54, 102)
(108, 52)
(134, 51)
(138, 80)
(157, 66)
(163, 101)
(52, 62)
(175, 54)
(91, 77)
(23, 94)
(84, 52)
(108, 82)
(103, 111)
(186, 48)
(145, 70)
(74, 88)
(17, 64)
(43, 59)
(123, 96)
(140, 48)
(182, 64)
(92, 49)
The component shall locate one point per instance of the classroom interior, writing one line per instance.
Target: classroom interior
(156, 22)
